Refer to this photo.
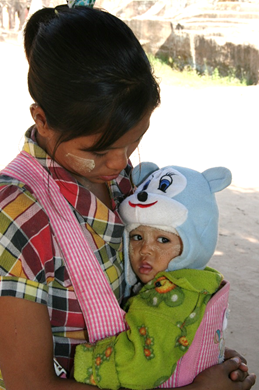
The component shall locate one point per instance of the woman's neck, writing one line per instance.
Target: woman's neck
(100, 190)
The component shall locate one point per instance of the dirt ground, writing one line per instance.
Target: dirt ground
(197, 128)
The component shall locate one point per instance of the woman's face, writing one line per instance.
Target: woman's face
(96, 167)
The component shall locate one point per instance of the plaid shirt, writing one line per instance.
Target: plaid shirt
(31, 264)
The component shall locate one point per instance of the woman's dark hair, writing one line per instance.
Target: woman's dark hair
(88, 72)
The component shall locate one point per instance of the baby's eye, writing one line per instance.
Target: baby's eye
(163, 240)
(136, 237)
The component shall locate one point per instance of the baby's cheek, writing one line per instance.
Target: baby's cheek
(133, 254)
(131, 250)
(177, 250)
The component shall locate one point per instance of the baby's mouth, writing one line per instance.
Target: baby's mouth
(145, 268)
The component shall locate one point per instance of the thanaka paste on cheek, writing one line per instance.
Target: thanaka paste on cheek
(80, 163)
(178, 250)
(131, 250)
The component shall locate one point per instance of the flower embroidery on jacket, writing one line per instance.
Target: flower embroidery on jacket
(148, 342)
(182, 341)
(160, 290)
(99, 359)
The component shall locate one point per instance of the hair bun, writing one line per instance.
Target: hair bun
(32, 27)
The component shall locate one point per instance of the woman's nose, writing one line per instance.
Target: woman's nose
(118, 160)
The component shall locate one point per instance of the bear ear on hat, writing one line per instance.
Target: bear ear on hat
(218, 178)
(142, 171)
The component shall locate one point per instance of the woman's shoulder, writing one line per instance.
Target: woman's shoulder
(26, 235)
(17, 203)
(11, 189)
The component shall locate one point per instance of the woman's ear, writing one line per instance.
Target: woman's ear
(40, 120)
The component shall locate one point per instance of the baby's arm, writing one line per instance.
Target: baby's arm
(110, 362)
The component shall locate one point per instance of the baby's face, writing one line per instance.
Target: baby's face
(151, 250)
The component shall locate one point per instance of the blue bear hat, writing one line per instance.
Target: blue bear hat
(179, 200)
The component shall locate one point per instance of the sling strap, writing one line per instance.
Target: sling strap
(102, 313)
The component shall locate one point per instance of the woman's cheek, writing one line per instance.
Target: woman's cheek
(80, 164)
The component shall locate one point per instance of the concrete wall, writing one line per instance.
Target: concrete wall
(205, 37)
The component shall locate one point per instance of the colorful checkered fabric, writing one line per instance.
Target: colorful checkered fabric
(101, 310)
(31, 264)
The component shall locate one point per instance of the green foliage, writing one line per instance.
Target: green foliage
(167, 71)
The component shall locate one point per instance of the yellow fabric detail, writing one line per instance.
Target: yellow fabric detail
(17, 270)
(112, 274)
(22, 202)
(97, 239)
(101, 211)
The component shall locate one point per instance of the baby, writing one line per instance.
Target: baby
(151, 250)
(171, 233)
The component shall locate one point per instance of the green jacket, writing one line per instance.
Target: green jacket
(163, 319)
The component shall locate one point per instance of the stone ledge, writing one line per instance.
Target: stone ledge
(203, 52)
(203, 36)
(190, 36)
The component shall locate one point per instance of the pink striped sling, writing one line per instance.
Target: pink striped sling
(102, 313)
